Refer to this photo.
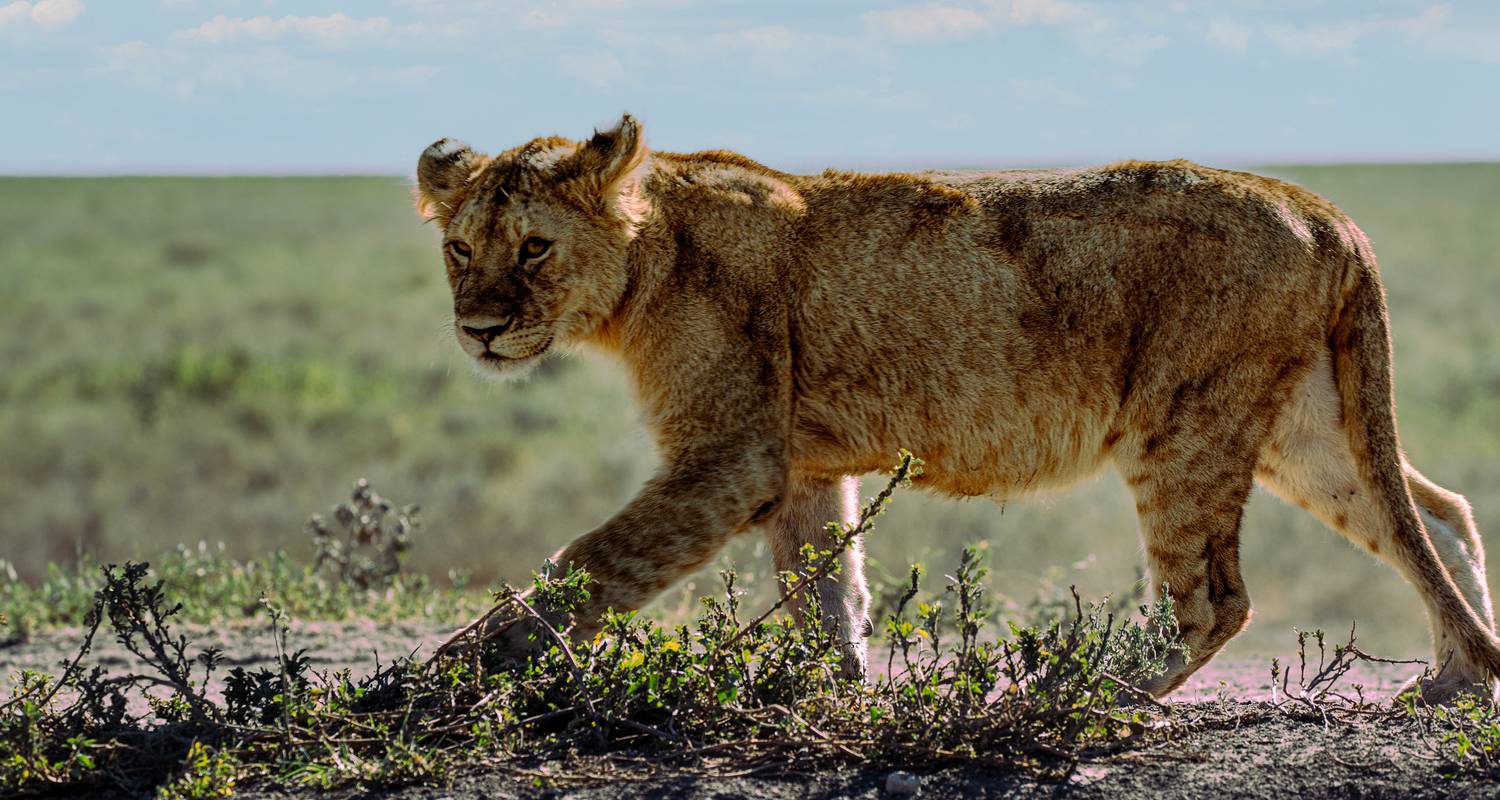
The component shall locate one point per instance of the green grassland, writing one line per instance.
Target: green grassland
(214, 359)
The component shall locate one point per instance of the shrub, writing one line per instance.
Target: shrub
(719, 688)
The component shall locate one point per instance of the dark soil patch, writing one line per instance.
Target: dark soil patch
(1230, 743)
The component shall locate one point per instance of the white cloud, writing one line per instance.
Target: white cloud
(1335, 38)
(1435, 17)
(1472, 37)
(1229, 35)
(139, 64)
(1090, 27)
(332, 30)
(184, 72)
(768, 37)
(774, 43)
(1125, 49)
(1434, 27)
(52, 13)
(45, 13)
(770, 52)
(932, 22)
(1037, 12)
(542, 18)
(14, 11)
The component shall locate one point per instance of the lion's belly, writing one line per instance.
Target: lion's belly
(994, 439)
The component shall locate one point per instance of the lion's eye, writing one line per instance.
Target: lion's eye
(459, 251)
(534, 247)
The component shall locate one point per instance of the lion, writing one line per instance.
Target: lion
(1198, 329)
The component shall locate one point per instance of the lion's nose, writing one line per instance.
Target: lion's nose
(486, 329)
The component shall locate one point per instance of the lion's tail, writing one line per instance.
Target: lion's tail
(1361, 346)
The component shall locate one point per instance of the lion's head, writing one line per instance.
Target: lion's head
(534, 239)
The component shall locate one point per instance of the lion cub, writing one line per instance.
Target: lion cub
(1199, 329)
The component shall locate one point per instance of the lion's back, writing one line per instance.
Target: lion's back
(965, 294)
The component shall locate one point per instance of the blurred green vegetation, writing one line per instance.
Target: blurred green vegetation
(189, 359)
(213, 588)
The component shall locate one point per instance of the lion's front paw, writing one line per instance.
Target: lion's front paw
(1176, 673)
(499, 639)
(517, 639)
(852, 660)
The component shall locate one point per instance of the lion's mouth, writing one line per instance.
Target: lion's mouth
(497, 359)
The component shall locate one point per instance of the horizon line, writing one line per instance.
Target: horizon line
(857, 166)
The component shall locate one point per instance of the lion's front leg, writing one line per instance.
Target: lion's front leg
(676, 524)
(718, 399)
(843, 599)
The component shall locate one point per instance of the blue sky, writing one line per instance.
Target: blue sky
(260, 86)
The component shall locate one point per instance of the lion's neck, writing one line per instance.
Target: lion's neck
(708, 221)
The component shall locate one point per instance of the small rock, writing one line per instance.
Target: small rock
(901, 783)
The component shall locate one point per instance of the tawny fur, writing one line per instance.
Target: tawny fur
(1196, 328)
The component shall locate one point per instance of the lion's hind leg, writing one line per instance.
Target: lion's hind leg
(1190, 478)
(1450, 523)
(843, 599)
(1308, 461)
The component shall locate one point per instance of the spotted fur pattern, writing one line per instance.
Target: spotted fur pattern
(1197, 329)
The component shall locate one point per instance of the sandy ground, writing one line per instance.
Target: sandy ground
(1237, 749)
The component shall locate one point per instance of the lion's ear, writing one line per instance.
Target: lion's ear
(443, 173)
(610, 156)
